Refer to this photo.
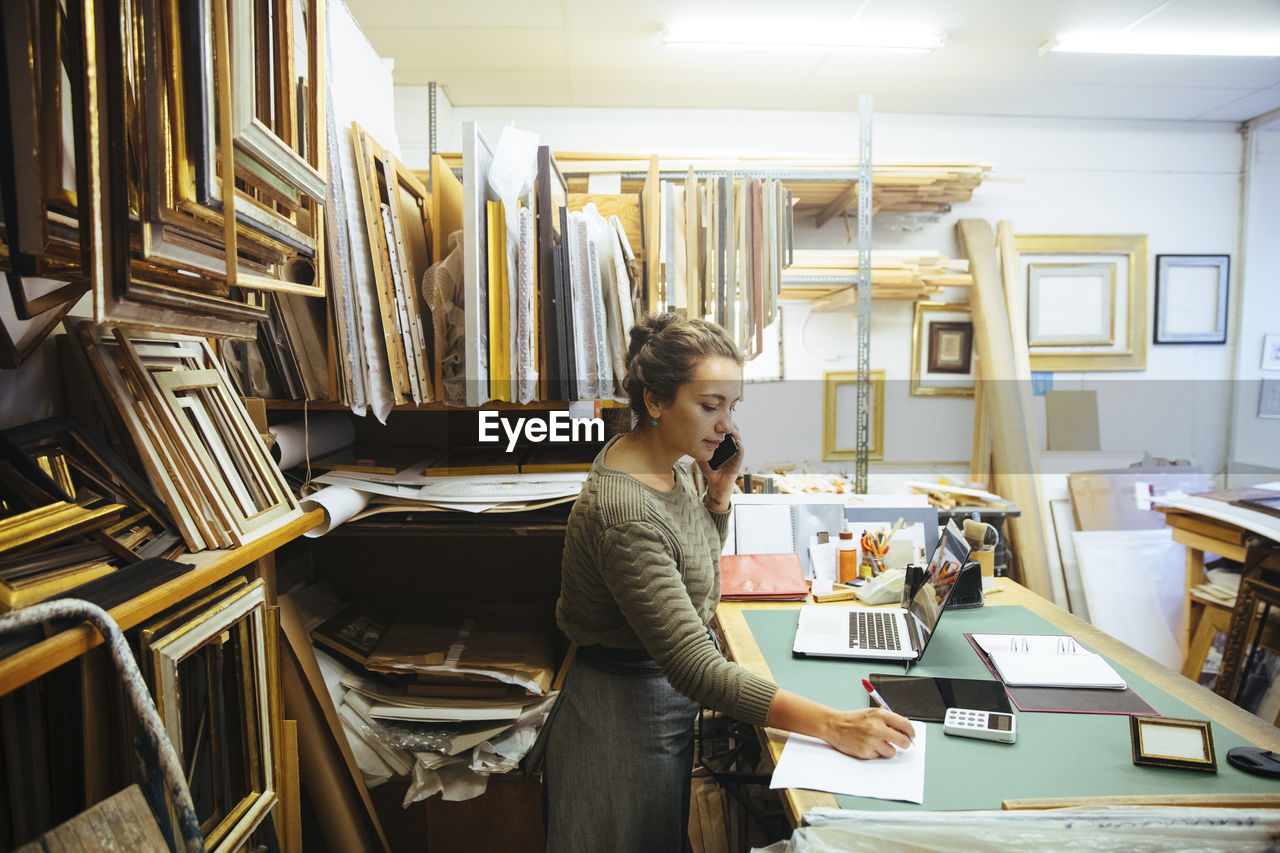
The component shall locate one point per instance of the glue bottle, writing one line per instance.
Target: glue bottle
(848, 553)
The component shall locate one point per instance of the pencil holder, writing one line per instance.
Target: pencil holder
(872, 564)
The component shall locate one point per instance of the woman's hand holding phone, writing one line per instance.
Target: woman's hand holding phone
(721, 479)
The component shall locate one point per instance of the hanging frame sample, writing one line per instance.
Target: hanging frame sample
(839, 415)
(1191, 299)
(1074, 323)
(942, 350)
(224, 649)
(45, 249)
(144, 126)
(125, 288)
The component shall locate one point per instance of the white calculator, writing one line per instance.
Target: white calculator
(984, 725)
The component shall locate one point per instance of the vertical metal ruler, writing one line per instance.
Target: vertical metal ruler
(864, 293)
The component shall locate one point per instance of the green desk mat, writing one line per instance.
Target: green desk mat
(1056, 755)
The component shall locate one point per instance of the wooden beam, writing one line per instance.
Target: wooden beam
(652, 228)
(1015, 447)
(847, 199)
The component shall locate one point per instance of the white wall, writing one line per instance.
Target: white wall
(1179, 183)
(1256, 441)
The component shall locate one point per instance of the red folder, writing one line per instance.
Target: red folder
(762, 577)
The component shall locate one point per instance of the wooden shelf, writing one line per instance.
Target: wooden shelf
(207, 567)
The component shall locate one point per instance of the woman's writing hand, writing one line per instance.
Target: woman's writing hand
(869, 733)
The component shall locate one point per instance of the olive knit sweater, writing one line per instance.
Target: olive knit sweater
(642, 569)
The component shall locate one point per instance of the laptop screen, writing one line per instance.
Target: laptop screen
(949, 556)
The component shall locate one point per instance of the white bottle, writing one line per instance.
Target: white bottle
(822, 555)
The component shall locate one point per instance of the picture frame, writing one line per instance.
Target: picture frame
(942, 350)
(839, 416)
(1269, 399)
(242, 615)
(1126, 255)
(1071, 305)
(1191, 299)
(768, 365)
(1172, 742)
(1270, 352)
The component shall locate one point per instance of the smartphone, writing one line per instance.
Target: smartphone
(726, 451)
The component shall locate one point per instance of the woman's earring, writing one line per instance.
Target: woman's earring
(653, 421)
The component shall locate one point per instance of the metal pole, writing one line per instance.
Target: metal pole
(864, 293)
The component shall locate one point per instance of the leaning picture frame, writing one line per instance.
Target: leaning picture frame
(1126, 256)
(1191, 299)
(942, 350)
(840, 413)
(244, 613)
(1173, 743)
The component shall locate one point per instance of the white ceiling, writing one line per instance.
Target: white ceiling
(608, 53)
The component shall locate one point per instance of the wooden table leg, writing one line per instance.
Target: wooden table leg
(1212, 621)
(1195, 577)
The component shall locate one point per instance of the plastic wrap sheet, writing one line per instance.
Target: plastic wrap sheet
(1133, 582)
(1131, 829)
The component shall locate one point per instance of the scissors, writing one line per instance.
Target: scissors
(948, 572)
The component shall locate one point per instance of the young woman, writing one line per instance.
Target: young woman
(640, 582)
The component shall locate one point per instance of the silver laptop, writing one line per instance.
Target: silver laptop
(886, 633)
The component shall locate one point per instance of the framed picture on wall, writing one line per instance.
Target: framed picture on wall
(1271, 352)
(942, 350)
(1191, 299)
(1269, 399)
(1086, 300)
(840, 416)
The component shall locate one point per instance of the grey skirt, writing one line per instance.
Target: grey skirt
(619, 755)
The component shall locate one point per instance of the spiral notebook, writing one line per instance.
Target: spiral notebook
(778, 527)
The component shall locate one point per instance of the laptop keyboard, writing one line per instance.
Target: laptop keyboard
(873, 630)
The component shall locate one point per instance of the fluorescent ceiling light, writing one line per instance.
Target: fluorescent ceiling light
(1188, 44)
(772, 37)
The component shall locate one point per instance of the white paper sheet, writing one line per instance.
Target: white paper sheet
(811, 764)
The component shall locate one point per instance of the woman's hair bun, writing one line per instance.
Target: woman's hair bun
(648, 328)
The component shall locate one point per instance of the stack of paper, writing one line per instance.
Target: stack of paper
(1047, 660)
